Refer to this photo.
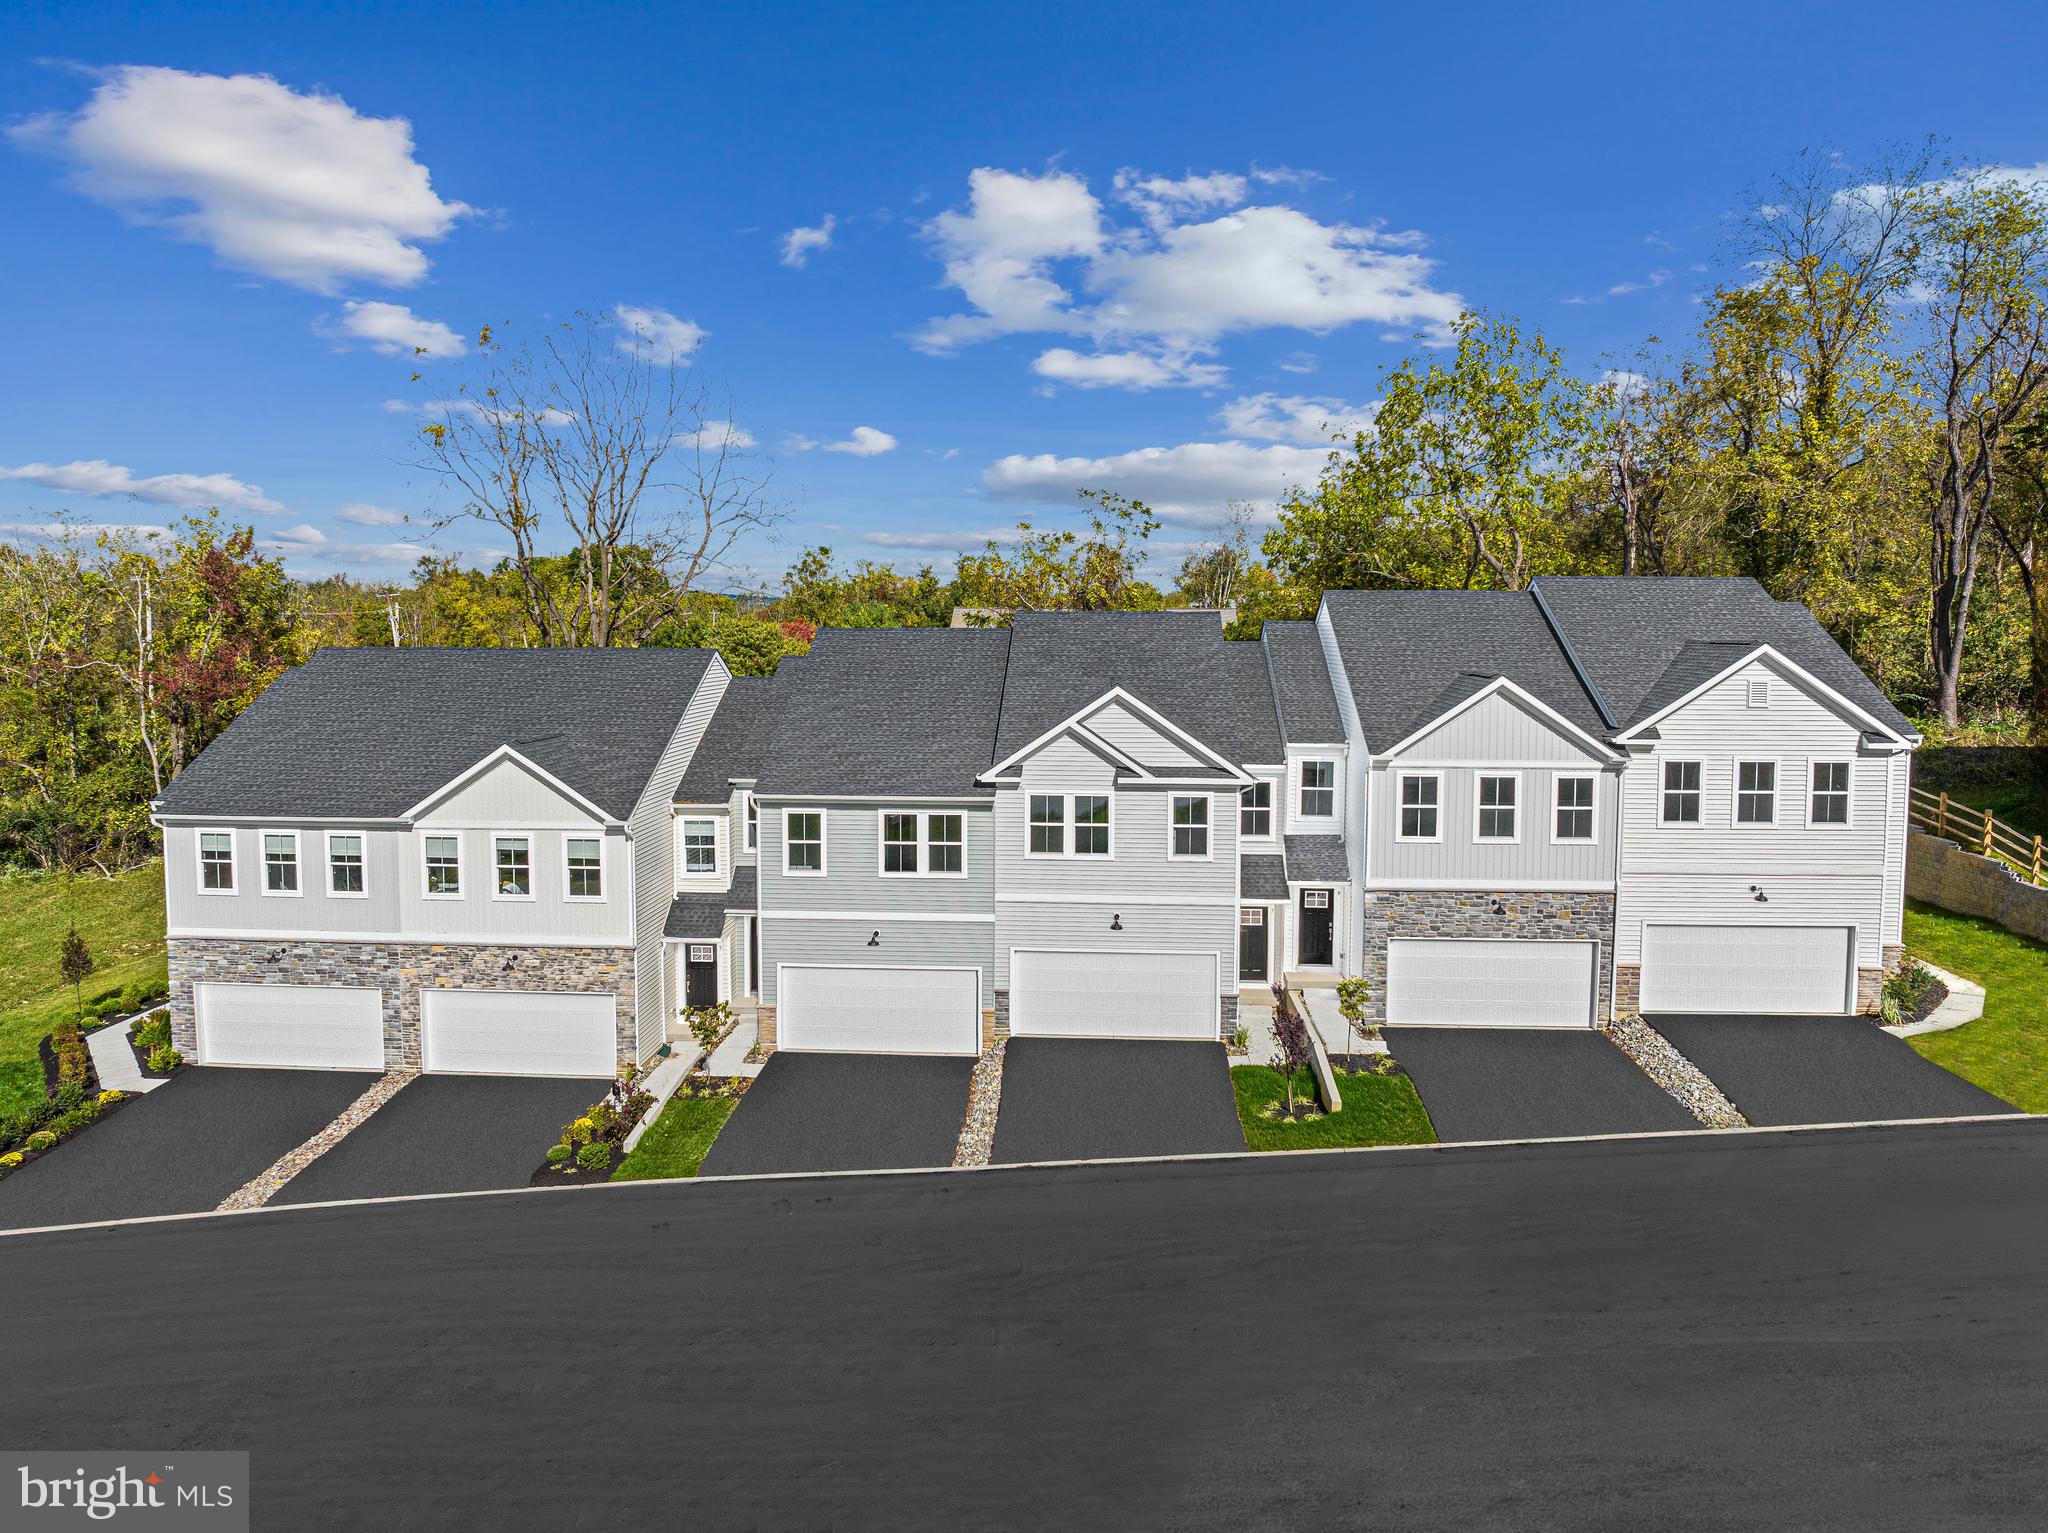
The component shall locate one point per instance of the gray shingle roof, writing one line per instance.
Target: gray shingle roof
(886, 711)
(1640, 638)
(1316, 858)
(1301, 684)
(703, 915)
(371, 732)
(732, 743)
(1176, 663)
(1263, 878)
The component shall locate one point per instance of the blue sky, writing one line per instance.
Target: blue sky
(1144, 248)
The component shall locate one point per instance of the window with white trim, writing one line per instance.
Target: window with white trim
(1497, 807)
(914, 842)
(700, 847)
(281, 862)
(514, 858)
(444, 866)
(1756, 792)
(583, 862)
(1830, 793)
(945, 839)
(1091, 825)
(1681, 793)
(1318, 790)
(1048, 825)
(753, 822)
(345, 864)
(217, 861)
(899, 843)
(1418, 807)
(1255, 809)
(1191, 825)
(803, 841)
(1575, 808)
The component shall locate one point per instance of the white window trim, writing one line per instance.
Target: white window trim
(1735, 766)
(1478, 808)
(532, 866)
(1693, 824)
(683, 868)
(750, 821)
(1301, 790)
(298, 866)
(363, 839)
(461, 872)
(1272, 811)
(1563, 777)
(1208, 852)
(824, 838)
(922, 819)
(1068, 828)
(199, 862)
(1850, 794)
(1400, 778)
(604, 870)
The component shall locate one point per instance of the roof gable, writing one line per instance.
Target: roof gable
(505, 789)
(1125, 730)
(1500, 721)
(1703, 673)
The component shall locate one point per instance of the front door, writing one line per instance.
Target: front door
(700, 974)
(753, 955)
(1318, 929)
(1251, 944)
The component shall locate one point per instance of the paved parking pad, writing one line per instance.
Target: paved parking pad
(1780, 1070)
(1530, 1083)
(181, 1149)
(845, 1112)
(1088, 1099)
(447, 1133)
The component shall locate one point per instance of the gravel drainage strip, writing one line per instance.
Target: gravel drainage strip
(984, 1097)
(1679, 1076)
(261, 1189)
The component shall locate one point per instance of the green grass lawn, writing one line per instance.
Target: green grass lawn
(1378, 1109)
(122, 921)
(679, 1141)
(2006, 1050)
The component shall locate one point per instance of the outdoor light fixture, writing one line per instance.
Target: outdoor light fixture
(1116, 923)
(874, 939)
(1761, 897)
(1499, 909)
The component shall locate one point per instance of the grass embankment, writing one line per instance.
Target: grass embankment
(679, 1140)
(1378, 1109)
(2006, 1050)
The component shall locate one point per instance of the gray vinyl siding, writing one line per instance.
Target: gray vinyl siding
(1146, 929)
(1497, 728)
(913, 944)
(1459, 858)
(853, 878)
(1140, 740)
(1726, 900)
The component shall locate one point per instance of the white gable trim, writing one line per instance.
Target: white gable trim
(1793, 669)
(497, 757)
(1075, 721)
(1501, 684)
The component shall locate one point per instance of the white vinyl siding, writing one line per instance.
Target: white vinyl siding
(1113, 994)
(313, 1027)
(856, 1009)
(512, 1032)
(1755, 969)
(1487, 983)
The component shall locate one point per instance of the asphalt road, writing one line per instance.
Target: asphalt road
(1827, 1330)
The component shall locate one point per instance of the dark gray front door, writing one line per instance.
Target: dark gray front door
(700, 974)
(753, 955)
(1252, 944)
(1318, 927)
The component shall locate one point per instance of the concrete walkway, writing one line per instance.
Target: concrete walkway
(115, 1061)
(730, 1057)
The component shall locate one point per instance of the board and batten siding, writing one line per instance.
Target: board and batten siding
(853, 880)
(902, 944)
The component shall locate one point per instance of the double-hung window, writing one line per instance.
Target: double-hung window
(217, 861)
(1255, 810)
(1497, 807)
(803, 841)
(1318, 790)
(1191, 825)
(1048, 825)
(1574, 809)
(345, 864)
(899, 843)
(1048, 832)
(700, 846)
(945, 841)
(444, 867)
(1418, 807)
(1091, 825)
(1681, 793)
(514, 857)
(281, 862)
(753, 821)
(583, 861)
(915, 842)
(1830, 793)
(1756, 792)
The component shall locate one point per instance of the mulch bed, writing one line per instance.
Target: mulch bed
(30, 1157)
(142, 1059)
(569, 1174)
(1366, 1064)
(48, 1053)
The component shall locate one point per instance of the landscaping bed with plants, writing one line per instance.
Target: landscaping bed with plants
(1909, 996)
(149, 1040)
(676, 1143)
(1380, 1107)
(592, 1144)
(71, 1100)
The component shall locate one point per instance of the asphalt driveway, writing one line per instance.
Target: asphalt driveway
(1530, 1083)
(845, 1112)
(180, 1149)
(1780, 1070)
(447, 1133)
(1090, 1098)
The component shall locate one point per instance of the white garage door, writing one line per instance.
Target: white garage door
(851, 1009)
(1491, 983)
(313, 1027)
(517, 1032)
(1746, 968)
(1113, 995)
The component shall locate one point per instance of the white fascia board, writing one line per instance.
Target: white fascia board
(1797, 672)
(503, 754)
(1501, 684)
(1149, 713)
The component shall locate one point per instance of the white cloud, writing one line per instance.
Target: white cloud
(1297, 362)
(1655, 279)
(1293, 417)
(58, 532)
(1192, 482)
(1178, 280)
(370, 516)
(865, 442)
(1626, 384)
(287, 184)
(798, 244)
(394, 330)
(1126, 370)
(657, 336)
(716, 435)
(96, 476)
(951, 540)
(305, 532)
(1286, 175)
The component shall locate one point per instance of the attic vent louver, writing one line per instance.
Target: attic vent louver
(1759, 693)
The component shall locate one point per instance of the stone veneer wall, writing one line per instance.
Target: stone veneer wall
(401, 970)
(764, 1028)
(1543, 915)
(1942, 873)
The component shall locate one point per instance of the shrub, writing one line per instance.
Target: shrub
(163, 1059)
(578, 1132)
(557, 1153)
(74, 1059)
(10, 1160)
(109, 1098)
(708, 1024)
(113, 1008)
(594, 1157)
(153, 1034)
(42, 1139)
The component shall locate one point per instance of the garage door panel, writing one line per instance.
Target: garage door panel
(1488, 983)
(1113, 995)
(1746, 969)
(517, 1032)
(314, 1027)
(858, 1009)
